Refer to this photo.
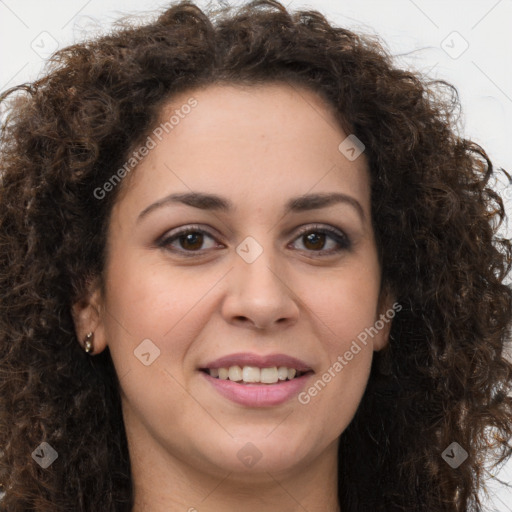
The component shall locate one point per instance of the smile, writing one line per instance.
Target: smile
(253, 374)
(256, 380)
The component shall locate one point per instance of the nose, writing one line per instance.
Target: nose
(258, 297)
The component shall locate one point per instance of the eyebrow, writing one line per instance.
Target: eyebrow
(217, 203)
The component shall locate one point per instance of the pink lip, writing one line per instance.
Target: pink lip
(268, 361)
(258, 395)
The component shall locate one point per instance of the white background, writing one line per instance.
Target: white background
(466, 42)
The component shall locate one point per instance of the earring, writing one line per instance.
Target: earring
(88, 343)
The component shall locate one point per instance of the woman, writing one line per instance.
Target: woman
(247, 262)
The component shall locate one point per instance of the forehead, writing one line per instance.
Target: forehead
(273, 111)
(265, 136)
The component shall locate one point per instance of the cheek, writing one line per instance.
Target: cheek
(147, 296)
(342, 319)
(344, 304)
(150, 300)
(343, 311)
(169, 308)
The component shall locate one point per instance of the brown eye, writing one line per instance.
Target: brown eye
(314, 241)
(188, 240)
(322, 240)
(191, 241)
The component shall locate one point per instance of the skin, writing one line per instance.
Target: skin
(258, 147)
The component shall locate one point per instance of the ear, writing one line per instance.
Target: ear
(387, 308)
(87, 316)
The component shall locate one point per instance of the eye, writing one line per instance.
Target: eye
(315, 239)
(191, 239)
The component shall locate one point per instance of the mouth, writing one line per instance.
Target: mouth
(255, 374)
(255, 380)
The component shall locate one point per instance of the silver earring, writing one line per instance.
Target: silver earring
(88, 343)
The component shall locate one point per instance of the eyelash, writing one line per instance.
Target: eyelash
(339, 237)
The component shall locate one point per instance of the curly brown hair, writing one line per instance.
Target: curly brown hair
(444, 376)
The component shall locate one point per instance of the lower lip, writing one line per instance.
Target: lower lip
(258, 395)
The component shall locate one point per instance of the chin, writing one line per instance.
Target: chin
(246, 454)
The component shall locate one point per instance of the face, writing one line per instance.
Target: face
(242, 239)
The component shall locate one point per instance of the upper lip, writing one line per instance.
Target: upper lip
(251, 359)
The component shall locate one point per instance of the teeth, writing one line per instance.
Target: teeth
(252, 374)
(269, 375)
(235, 373)
(282, 373)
